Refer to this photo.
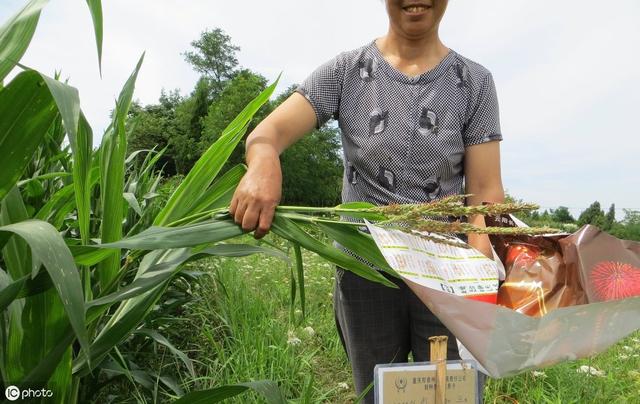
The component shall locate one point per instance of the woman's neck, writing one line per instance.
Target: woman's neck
(412, 56)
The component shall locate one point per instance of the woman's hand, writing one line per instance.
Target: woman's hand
(257, 195)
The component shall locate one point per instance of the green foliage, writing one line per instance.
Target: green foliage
(156, 126)
(238, 92)
(593, 215)
(562, 215)
(214, 56)
(312, 167)
(629, 227)
(95, 7)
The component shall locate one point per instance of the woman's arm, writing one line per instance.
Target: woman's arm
(259, 192)
(484, 181)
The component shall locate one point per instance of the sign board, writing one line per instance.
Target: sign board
(415, 383)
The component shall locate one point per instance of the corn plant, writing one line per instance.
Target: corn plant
(86, 254)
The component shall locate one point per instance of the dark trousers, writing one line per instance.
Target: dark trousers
(378, 324)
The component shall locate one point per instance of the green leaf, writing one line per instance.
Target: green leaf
(160, 339)
(152, 277)
(112, 167)
(27, 110)
(360, 243)
(300, 271)
(287, 229)
(50, 362)
(220, 192)
(242, 250)
(89, 255)
(10, 291)
(23, 287)
(49, 248)
(133, 202)
(81, 141)
(95, 6)
(16, 34)
(356, 205)
(208, 166)
(155, 238)
(15, 253)
(269, 390)
(131, 312)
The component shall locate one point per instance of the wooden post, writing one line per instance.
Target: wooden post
(438, 354)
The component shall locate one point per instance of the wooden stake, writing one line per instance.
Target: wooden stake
(438, 354)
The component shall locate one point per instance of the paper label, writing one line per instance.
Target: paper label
(416, 384)
(446, 267)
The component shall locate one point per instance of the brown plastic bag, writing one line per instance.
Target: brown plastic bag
(538, 279)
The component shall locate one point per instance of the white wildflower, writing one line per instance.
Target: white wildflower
(537, 373)
(330, 295)
(292, 339)
(623, 357)
(590, 370)
(343, 386)
(627, 348)
(309, 331)
(636, 340)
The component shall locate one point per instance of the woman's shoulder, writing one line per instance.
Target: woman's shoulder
(352, 56)
(466, 67)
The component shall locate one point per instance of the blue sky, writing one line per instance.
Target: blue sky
(566, 72)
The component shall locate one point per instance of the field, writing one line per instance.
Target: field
(248, 302)
(118, 279)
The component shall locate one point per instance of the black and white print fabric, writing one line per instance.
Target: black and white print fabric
(404, 137)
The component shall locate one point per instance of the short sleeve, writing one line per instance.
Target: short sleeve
(483, 124)
(323, 89)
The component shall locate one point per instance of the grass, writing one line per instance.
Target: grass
(240, 329)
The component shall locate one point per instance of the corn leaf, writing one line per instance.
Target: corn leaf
(242, 250)
(208, 166)
(27, 110)
(358, 242)
(16, 35)
(160, 339)
(48, 365)
(155, 238)
(95, 7)
(268, 389)
(300, 273)
(49, 247)
(112, 157)
(220, 192)
(15, 253)
(287, 229)
(89, 255)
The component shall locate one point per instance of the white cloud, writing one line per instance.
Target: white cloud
(565, 71)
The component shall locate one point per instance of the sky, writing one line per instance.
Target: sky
(566, 71)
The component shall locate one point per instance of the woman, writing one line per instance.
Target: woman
(419, 122)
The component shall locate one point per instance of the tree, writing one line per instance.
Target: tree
(189, 120)
(214, 56)
(312, 169)
(629, 227)
(155, 125)
(593, 215)
(562, 215)
(238, 92)
(610, 218)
